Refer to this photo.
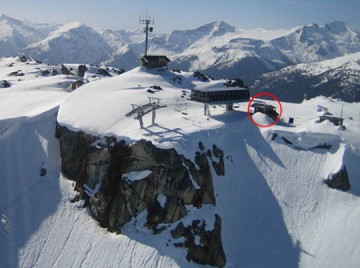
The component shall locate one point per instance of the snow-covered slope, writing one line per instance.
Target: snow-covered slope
(72, 43)
(276, 210)
(319, 43)
(338, 78)
(14, 35)
(44, 28)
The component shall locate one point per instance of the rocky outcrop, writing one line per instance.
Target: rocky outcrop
(120, 180)
(4, 84)
(204, 246)
(339, 180)
(81, 70)
(64, 70)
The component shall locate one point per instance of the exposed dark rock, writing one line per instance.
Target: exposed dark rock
(118, 199)
(43, 171)
(219, 165)
(75, 199)
(286, 140)
(158, 230)
(209, 250)
(81, 70)
(339, 180)
(201, 77)
(323, 146)
(237, 82)
(17, 73)
(45, 72)
(201, 146)
(179, 231)
(64, 70)
(156, 87)
(179, 245)
(5, 84)
(103, 72)
(101, 168)
(74, 150)
(23, 58)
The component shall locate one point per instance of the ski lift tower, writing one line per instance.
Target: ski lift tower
(147, 21)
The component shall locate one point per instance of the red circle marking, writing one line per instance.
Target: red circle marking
(257, 96)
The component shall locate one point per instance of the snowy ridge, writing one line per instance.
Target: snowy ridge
(338, 78)
(217, 48)
(316, 68)
(14, 36)
(72, 43)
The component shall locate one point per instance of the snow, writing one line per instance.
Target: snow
(215, 44)
(351, 61)
(275, 209)
(136, 175)
(72, 43)
(162, 200)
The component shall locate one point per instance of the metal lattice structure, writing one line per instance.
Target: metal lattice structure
(139, 111)
(147, 21)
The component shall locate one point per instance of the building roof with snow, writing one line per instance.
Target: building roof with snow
(154, 61)
(220, 95)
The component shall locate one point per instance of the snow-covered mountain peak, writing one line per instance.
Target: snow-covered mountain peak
(338, 27)
(8, 19)
(14, 35)
(221, 28)
(70, 27)
(72, 43)
(215, 28)
(73, 25)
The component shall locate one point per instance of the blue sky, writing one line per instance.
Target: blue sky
(186, 14)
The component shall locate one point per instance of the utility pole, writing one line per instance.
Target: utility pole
(147, 21)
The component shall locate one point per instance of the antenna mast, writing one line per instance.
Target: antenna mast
(147, 21)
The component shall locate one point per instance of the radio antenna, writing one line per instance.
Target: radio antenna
(147, 21)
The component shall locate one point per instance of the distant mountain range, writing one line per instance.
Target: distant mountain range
(267, 59)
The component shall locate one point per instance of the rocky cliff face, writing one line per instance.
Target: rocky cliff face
(120, 180)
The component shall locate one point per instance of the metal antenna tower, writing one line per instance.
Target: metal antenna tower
(147, 21)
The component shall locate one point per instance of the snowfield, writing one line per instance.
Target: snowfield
(275, 209)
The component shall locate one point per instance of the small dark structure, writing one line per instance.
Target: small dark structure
(337, 121)
(152, 61)
(267, 109)
(219, 96)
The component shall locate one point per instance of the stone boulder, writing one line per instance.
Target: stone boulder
(339, 180)
(81, 70)
(4, 84)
